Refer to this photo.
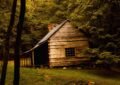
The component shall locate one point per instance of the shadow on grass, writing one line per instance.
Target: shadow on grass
(104, 73)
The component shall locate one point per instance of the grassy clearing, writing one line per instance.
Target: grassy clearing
(32, 76)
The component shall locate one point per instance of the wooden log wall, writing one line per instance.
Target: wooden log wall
(26, 60)
(66, 37)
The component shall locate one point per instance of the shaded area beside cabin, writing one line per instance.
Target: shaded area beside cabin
(41, 56)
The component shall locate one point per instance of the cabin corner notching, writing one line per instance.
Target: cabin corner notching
(62, 46)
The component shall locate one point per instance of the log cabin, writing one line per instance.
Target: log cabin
(62, 46)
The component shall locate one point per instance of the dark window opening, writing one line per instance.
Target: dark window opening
(70, 52)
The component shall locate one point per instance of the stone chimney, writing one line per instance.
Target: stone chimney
(51, 26)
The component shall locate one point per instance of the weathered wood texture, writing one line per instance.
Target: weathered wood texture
(66, 37)
(26, 62)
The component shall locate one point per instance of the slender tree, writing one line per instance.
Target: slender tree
(7, 43)
(18, 42)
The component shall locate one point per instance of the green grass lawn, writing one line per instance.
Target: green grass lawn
(32, 76)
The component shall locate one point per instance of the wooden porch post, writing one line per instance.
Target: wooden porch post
(32, 59)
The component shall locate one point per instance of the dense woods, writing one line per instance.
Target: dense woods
(24, 26)
(99, 20)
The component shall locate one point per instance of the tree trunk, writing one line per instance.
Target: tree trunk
(17, 44)
(7, 42)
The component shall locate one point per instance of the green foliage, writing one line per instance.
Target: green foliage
(108, 60)
(105, 57)
(99, 20)
(102, 57)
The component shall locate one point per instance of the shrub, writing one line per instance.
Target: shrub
(103, 59)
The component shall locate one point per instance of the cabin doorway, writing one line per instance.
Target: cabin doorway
(41, 56)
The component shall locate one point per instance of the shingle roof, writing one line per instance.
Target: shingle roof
(47, 36)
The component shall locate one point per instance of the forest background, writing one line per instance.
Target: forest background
(98, 19)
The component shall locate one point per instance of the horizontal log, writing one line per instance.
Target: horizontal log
(68, 34)
(66, 62)
(68, 39)
(69, 44)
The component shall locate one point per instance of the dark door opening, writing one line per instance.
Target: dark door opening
(41, 55)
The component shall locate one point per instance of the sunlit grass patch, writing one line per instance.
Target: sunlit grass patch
(101, 77)
(37, 76)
